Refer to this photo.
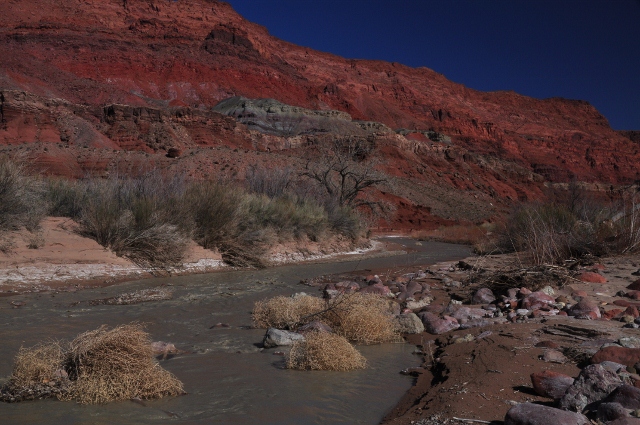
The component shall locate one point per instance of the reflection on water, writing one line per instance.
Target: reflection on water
(228, 378)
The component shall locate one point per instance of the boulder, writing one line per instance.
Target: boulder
(483, 296)
(592, 385)
(377, 288)
(635, 286)
(611, 411)
(629, 342)
(551, 384)
(464, 314)
(276, 337)
(554, 356)
(477, 323)
(416, 305)
(622, 355)
(536, 301)
(626, 395)
(409, 323)
(592, 277)
(536, 414)
(625, 421)
(586, 308)
(436, 325)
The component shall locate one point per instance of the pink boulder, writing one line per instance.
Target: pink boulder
(622, 355)
(436, 326)
(536, 301)
(377, 288)
(585, 309)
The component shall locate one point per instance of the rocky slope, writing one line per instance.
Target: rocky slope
(82, 82)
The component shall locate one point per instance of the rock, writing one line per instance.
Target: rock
(632, 310)
(536, 414)
(629, 342)
(536, 301)
(161, 347)
(276, 337)
(585, 309)
(477, 323)
(377, 288)
(409, 323)
(635, 286)
(315, 326)
(627, 395)
(512, 293)
(554, 356)
(436, 326)
(623, 355)
(547, 344)
(523, 292)
(592, 277)
(578, 295)
(625, 421)
(611, 411)
(523, 312)
(483, 296)
(548, 290)
(413, 287)
(612, 366)
(551, 384)
(593, 384)
(174, 153)
(464, 314)
(347, 287)
(415, 305)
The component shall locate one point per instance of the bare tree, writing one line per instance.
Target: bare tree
(345, 171)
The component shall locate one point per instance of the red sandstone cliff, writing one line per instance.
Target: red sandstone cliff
(64, 63)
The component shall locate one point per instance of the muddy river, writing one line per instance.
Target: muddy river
(229, 379)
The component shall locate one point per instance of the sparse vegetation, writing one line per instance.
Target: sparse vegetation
(325, 351)
(551, 233)
(98, 366)
(286, 312)
(21, 201)
(362, 318)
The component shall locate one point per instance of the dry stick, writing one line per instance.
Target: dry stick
(471, 420)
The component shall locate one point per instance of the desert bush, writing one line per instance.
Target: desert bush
(324, 351)
(98, 366)
(117, 364)
(66, 198)
(361, 318)
(129, 218)
(550, 233)
(286, 312)
(271, 182)
(22, 201)
(38, 365)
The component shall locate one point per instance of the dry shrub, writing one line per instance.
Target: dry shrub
(98, 366)
(37, 365)
(117, 364)
(362, 318)
(286, 312)
(324, 351)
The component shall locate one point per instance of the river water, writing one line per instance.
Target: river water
(228, 378)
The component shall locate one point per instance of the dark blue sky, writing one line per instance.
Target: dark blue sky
(578, 49)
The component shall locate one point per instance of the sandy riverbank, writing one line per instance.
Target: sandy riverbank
(58, 258)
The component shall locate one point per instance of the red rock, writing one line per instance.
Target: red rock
(612, 314)
(579, 294)
(622, 355)
(536, 414)
(483, 296)
(598, 266)
(635, 286)
(524, 291)
(634, 295)
(632, 310)
(622, 303)
(550, 384)
(592, 277)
